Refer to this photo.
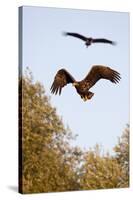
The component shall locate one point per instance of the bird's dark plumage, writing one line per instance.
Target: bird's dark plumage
(89, 40)
(62, 78)
(76, 35)
(102, 40)
(97, 72)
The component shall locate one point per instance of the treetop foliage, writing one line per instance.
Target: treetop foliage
(48, 162)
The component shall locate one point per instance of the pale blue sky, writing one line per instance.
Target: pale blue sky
(45, 50)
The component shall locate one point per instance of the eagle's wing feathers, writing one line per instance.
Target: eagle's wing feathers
(76, 35)
(103, 41)
(98, 72)
(62, 78)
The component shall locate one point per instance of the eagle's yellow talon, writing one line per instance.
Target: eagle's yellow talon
(86, 97)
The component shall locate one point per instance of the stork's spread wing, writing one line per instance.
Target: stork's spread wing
(101, 72)
(61, 79)
(102, 40)
(76, 35)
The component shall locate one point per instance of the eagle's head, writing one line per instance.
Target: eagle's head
(75, 84)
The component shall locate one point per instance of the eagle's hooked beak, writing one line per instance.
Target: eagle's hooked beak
(75, 84)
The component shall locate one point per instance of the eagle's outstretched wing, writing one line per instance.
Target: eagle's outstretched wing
(98, 72)
(102, 40)
(62, 78)
(76, 35)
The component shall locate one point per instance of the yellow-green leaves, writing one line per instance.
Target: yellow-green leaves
(49, 163)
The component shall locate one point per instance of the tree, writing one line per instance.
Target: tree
(122, 156)
(105, 171)
(100, 171)
(47, 162)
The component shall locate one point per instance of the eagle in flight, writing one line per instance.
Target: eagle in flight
(97, 72)
(89, 40)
